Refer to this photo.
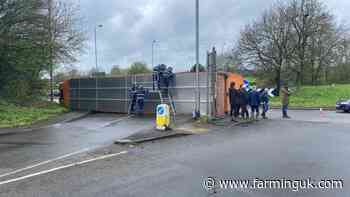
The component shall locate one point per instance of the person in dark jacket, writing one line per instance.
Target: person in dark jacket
(132, 97)
(264, 98)
(254, 102)
(155, 76)
(244, 100)
(141, 93)
(234, 101)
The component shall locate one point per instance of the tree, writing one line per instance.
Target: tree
(305, 16)
(266, 43)
(324, 50)
(341, 72)
(22, 47)
(33, 41)
(138, 68)
(116, 70)
(66, 75)
(74, 73)
(66, 37)
(59, 77)
(298, 41)
(194, 68)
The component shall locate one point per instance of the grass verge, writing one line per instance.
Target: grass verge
(316, 96)
(14, 116)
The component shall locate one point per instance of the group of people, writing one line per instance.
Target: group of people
(242, 98)
(163, 77)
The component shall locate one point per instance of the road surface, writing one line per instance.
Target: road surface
(20, 150)
(312, 145)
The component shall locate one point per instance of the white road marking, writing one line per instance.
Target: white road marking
(45, 162)
(63, 167)
(64, 156)
(116, 121)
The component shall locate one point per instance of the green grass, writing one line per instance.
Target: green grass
(250, 79)
(12, 115)
(316, 96)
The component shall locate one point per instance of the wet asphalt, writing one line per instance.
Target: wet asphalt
(19, 150)
(313, 145)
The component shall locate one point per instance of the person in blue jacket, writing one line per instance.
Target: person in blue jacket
(264, 98)
(254, 102)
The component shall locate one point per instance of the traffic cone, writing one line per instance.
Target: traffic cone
(323, 115)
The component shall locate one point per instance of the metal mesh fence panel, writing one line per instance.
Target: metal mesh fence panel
(111, 94)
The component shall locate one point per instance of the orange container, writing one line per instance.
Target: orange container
(223, 85)
(66, 92)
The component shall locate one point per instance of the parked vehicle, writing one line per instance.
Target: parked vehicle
(56, 93)
(343, 105)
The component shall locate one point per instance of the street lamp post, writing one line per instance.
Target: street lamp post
(96, 59)
(96, 68)
(153, 43)
(198, 97)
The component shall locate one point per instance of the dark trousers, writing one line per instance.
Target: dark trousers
(255, 109)
(132, 105)
(285, 110)
(141, 105)
(234, 110)
(238, 107)
(244, 112)
(265, 107)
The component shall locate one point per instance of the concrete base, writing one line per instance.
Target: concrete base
(152, 135)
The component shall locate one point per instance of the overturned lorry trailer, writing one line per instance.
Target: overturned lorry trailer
(111, 94)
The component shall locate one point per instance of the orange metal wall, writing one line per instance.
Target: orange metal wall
(231, 77)
(66, 90)
(223, 83)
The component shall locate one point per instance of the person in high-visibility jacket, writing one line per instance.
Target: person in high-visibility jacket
(141, 93)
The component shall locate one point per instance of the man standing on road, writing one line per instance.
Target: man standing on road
(285, 101)
(233, 96)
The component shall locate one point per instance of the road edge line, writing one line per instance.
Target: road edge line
(45, 162)
(62, 167)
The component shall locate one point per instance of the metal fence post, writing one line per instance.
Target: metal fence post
(208, 85)
(126, 101)
(96, 92)
(78, 94)
(212, 79)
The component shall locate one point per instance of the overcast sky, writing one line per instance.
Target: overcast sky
(129, 26)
